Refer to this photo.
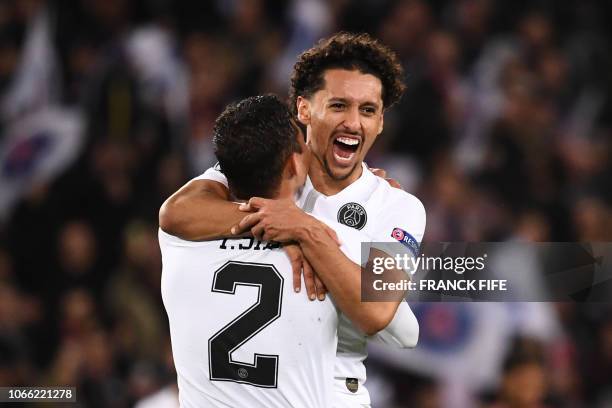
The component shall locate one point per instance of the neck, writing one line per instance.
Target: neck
(285, 190)
(327, 185)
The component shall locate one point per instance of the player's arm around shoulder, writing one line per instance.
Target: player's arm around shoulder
(199, 210)
(342, 276)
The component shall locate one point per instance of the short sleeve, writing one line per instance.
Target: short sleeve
(401, 226)
(214, 174)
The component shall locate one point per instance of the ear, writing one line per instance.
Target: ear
(291, 167)
(303, 110)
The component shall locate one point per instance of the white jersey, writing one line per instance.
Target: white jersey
(384, 214)
(241, 337)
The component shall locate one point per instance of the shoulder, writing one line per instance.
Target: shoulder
(167, 240)
(394, 209)
(213, 173)
(393, 200)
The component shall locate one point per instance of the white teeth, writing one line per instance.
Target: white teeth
(344, 159)
(348, 141)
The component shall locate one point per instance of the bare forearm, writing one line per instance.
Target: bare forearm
(198, 211)
(342, 277)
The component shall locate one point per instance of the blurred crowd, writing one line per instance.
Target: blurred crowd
(504, 133)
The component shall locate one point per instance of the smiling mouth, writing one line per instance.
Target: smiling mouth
(345, 148)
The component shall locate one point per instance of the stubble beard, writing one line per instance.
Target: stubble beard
(335, 177)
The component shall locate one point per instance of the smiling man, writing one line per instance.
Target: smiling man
(344, 119)
(343, 110)
(340, 90)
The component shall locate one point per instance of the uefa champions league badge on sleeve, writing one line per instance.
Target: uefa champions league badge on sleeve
(406, 239)
(353, 215)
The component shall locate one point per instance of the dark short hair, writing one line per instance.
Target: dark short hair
(348, 51)
(253, 140)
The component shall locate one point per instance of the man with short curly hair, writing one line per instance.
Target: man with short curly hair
(327, 80)
(351, 52)
(340, 89)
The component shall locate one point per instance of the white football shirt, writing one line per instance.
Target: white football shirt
(241, 337)
(381, 212)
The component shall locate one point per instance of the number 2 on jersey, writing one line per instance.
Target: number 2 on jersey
(264, 373)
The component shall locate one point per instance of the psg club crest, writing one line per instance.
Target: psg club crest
(353, 215)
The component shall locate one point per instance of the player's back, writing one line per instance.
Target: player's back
(240, 335)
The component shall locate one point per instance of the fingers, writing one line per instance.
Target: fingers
(333, 235)
(379, 172)
(320, 286)
(297, 276)
(247, 223)
(253, 204)
(309, 281)
(258, 232)
(295, 257)
(394, 183)
(257, 202)
(246, 207)
(383, 174)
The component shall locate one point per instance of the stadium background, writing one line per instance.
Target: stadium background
(107, 106)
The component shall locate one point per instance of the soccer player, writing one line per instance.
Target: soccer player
(340, 89)
(240, 335)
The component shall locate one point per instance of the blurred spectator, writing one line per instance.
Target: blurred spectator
(77, 255)
(524, 382)
(133, 295)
